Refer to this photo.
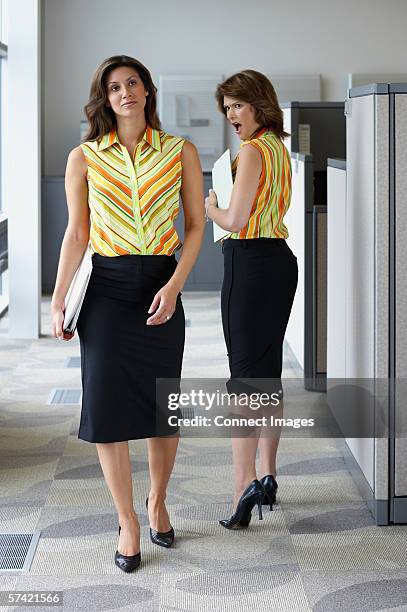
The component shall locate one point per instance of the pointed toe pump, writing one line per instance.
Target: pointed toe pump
(127, 563)
(252, 496)
(161, 538)
(270, 489)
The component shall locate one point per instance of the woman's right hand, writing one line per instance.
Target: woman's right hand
(57, 324)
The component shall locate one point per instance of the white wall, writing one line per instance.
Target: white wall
(318, 36)
(23, 169)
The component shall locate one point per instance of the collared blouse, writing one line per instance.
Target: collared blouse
(134, 201)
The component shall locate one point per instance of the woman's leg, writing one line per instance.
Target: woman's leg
(236, 311)
(268, 445)
(244, 464)
(270, 438)
(115, 462)
(245, 441)
(161, 458)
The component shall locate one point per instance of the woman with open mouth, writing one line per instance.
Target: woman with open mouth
(260, 276)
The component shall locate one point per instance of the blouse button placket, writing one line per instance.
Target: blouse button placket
(132, 168)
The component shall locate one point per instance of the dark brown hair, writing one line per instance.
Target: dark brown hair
(101, 118)
(256, 89)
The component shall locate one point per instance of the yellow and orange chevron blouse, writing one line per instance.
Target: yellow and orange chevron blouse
(133, 204)
(273, 195)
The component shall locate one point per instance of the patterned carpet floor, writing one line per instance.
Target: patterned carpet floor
(319, 549)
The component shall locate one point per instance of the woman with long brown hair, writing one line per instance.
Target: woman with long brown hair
(260, 277)
(123, 185)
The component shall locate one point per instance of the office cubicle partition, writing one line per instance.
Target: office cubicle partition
(373, 349)
(317, 132)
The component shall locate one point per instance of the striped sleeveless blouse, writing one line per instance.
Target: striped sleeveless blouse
(134, 202)
(273, 195)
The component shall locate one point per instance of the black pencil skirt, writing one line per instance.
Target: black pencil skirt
(121, 356)
(259, 284)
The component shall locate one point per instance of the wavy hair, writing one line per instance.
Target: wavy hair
(101, 118)
(256, 89)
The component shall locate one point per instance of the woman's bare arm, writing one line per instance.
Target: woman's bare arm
(244, 192)
(76, 235)
(192, 200)
(192, 196)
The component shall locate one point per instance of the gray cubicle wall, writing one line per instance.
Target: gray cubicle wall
(54, 219)
(376, 277)
(306, 222)
(207, 273)
(327, 127)
(319, 295)
(206, 276)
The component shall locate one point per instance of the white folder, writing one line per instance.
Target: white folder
(77, 291)
(222, 183)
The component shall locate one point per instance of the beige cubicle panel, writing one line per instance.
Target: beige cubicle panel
(336, 270)
(295, 221)
(367, 277)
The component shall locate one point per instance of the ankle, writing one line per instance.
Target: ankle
(156, 498)
(127, 519)
(242, 484)
(267, 472)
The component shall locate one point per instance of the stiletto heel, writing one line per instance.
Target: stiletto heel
(162, 538)
(127, 563)
(251, 497)
(270, 489)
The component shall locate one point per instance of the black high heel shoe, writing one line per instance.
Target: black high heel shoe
(162, 538)
(127, 563)
(251, 497)
(270, 489)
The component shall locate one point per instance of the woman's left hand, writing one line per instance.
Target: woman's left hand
(164, 304)
(211, 200)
